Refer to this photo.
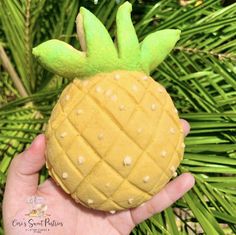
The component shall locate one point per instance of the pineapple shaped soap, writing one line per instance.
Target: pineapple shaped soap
(114, 138)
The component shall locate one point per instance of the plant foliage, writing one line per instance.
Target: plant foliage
(200, 75)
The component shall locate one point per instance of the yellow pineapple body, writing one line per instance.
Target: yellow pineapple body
(114, 140)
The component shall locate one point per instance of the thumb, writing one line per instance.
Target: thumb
(23, 172)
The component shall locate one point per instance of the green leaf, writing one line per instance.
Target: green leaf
(199, 74)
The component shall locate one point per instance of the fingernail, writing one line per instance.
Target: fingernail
(186, 127)
(37, 140)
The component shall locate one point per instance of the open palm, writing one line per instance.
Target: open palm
(66, 216)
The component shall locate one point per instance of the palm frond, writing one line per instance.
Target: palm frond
(199, 74)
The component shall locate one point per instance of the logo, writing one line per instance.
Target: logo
(37, 219)
(37, 207)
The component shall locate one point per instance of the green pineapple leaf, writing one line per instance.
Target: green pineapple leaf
(202, 84)
(127, 40)
(156, 46)
(99, 52)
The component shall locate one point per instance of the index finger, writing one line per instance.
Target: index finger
(166, 197)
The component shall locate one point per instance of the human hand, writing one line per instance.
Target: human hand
(57, 213)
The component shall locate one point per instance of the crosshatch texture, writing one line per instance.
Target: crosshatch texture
(114, 141)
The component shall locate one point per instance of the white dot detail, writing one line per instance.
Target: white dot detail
(77, 200)
(146, 178)
(85, 83)
(117, 77)
(114, 98)
(63, 135)
(160, 90)
(67, 97)
(176, 111)
(173, 171)
(100, 136)
(112, 212)
(153, 107)
(140, 130)
(79, 111)
(134, 88)
(81, 160)
(145, 78)
(142, 204)
(122, 107)
(108, 92)
(64, 175)
(90, 201)
(98, 89)
(183, 145)
(127, 161)
(163, 153)
(172, 130)
(130, 200)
